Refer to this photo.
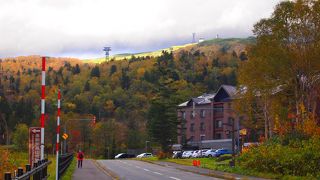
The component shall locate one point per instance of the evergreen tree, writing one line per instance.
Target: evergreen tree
(95, 72)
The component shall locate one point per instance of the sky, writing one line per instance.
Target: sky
(81, 28)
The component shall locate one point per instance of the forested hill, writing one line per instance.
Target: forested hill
(117, 91)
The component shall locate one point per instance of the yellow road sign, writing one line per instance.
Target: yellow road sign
(65, 136)
(243, 132)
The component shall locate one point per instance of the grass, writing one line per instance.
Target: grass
(11, 159)
(52, 167)
(213, 164)
(226, 41)
(67, 174)
(143, 54)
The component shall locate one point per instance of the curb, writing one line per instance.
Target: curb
(106, 170)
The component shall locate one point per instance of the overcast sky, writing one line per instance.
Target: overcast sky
(80, 28)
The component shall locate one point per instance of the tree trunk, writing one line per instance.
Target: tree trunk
(266, 123)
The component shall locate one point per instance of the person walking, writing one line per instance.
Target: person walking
(80, 157)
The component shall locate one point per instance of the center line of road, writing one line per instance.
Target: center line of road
(174, 178)
(138, 167)
(146, 169)
(157, 173)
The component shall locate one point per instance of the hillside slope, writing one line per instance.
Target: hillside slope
(208, 46)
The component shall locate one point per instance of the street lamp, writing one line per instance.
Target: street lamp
(232, 162)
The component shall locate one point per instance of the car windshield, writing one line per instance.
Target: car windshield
(119, 155)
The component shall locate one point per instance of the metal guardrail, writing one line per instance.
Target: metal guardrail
(64, 162)
(38, 172)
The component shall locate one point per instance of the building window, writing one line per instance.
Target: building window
(192, 114)
(191, 127)
(183, 115)
(203, 113)
(218, 108)
(202, 126)
(230, 120)
(218, 136)
(218, 123)
(191, 139)
(202, 137)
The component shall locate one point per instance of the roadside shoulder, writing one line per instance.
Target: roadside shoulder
(203, 171)
(105, 170)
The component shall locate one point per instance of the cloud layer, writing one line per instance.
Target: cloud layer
(80, 28)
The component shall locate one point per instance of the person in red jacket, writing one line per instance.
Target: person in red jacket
(80, 157)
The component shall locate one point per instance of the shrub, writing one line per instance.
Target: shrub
(299, 158)
(223, 158)
(20, 137)
(162, 155)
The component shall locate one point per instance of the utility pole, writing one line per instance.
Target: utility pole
(43, 90)
(232, 163)
(58, 136)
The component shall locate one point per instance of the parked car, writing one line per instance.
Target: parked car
(220, 152)
(124, 155)
(210, 153)
(187, 154)
(177, 154)
(196, 153)
(203, 152)
(144, 155)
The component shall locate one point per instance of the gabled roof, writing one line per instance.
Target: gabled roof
(231, 90)
(225, 93)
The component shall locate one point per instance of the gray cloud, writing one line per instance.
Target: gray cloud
(81, 28)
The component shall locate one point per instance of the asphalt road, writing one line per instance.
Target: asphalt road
(90, 171)
(138, 170)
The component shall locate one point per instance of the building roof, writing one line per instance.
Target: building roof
(208, 98)
(231, 90)
(203, 99)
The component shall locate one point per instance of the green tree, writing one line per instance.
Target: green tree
(20, 137)
(95, 72)
(285, 60)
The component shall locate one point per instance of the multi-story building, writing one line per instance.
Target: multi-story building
(208, 117)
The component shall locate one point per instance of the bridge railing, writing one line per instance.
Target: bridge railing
(64, 162)
(38, 172)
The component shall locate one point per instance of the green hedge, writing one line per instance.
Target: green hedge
(298, 158)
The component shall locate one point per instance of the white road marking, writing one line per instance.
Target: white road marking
(146, 169)
(157, 173)
(138, 167)
(174, 178)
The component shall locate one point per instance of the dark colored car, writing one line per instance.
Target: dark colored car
(177, 155)
(124, 155)
(220, 152)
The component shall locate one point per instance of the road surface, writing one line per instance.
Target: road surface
(90, 171)
(138, 170)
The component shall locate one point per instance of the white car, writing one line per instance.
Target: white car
(187, 154)
(196, 154)
(144, 155)
(203, 151)
(210, 153)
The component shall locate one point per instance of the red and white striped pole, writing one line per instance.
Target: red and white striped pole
(43, 96)
(58, 135)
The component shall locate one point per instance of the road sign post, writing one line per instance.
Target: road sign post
(34, 144)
